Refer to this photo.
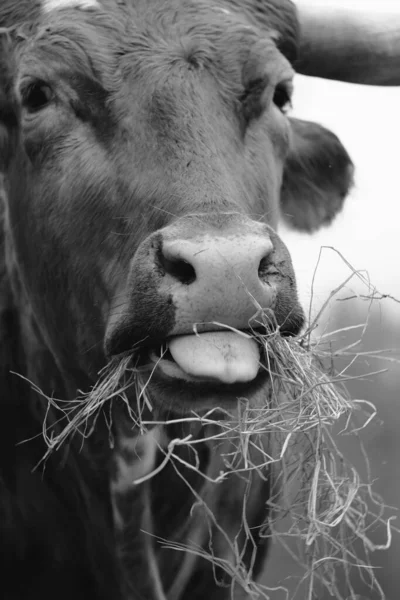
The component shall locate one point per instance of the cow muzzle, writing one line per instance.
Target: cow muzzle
(196, 294)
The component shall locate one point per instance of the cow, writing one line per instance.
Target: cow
(146, 158)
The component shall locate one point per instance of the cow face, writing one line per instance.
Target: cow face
(147, 156)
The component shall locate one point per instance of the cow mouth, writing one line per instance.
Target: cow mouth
(217, 357)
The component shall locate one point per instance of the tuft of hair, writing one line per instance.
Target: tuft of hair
(50, 5)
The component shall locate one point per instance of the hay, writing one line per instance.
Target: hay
(331, 511)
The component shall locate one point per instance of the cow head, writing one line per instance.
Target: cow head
(147, 158)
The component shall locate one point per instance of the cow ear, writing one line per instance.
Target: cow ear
(317, 177)
(8, 114)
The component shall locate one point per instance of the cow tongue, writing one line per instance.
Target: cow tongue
(227, 357)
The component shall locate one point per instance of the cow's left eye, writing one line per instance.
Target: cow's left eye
(36, 96)
(282, 97)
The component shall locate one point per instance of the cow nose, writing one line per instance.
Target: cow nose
(217, 279)
(193, 277)
(188, 261)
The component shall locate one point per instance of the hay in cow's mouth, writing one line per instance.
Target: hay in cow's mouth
(312, 483)
(330, 509)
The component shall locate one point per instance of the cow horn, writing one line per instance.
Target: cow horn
(349, 45)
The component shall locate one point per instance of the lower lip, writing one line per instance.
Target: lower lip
(188, 393)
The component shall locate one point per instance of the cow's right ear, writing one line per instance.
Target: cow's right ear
(318, 176)
(8, 111)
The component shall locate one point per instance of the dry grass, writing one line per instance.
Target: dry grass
(291, 431)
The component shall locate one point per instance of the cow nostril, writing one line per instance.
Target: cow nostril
(179, 269)
(266, 267)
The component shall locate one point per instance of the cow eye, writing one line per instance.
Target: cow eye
(282, 97)
(36, 96)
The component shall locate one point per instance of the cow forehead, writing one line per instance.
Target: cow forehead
(143, 23)
(156, 14)
(149, 37)
(50, 5)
